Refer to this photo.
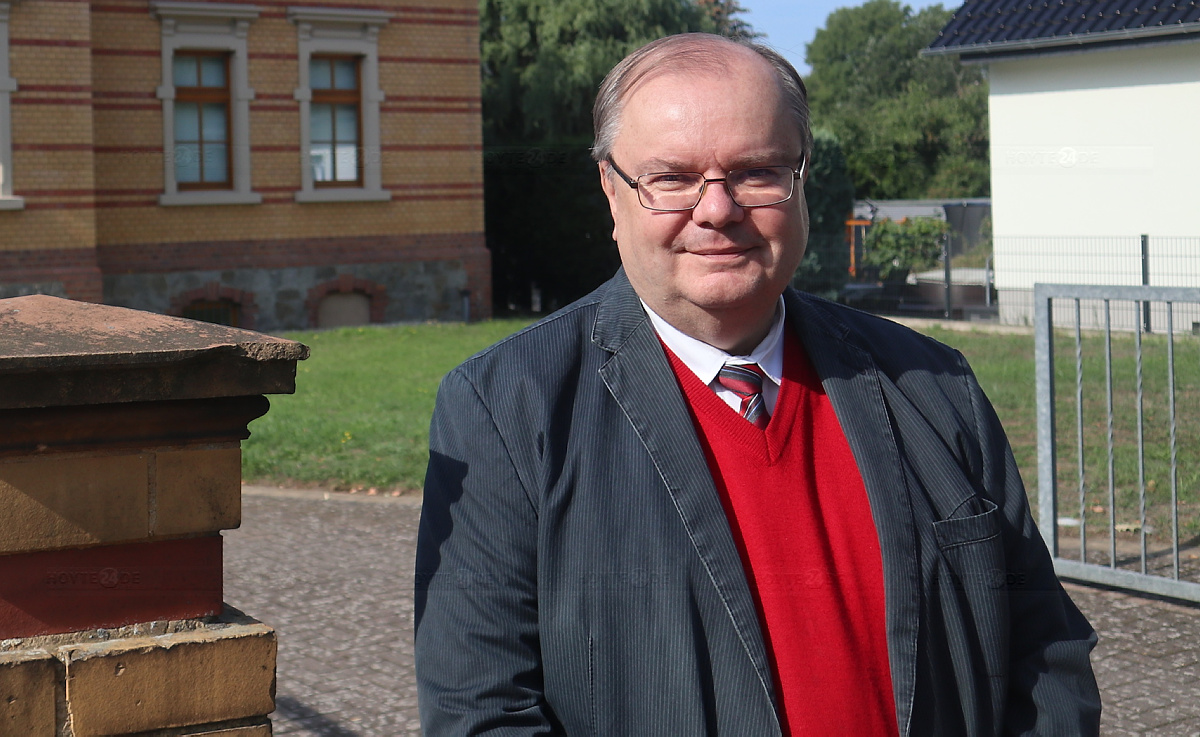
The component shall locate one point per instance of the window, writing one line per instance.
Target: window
(206, 103)
(201, 120)
(334, 126)
(339, 98)
(8, 85)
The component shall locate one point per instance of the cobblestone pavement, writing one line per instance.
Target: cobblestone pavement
(333, 574)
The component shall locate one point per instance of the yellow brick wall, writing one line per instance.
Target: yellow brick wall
(52, 165)
(430, 130)
(430, 133)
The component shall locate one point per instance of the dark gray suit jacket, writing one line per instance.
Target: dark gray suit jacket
(576, 573)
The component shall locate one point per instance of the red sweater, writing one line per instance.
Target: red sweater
(799, 515)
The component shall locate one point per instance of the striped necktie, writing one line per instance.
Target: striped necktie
(745, 380)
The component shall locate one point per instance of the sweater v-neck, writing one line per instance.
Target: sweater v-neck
(768, 445)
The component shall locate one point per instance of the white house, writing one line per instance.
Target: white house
(1095, 139)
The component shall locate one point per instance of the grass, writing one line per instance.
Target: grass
(1004, 365)
(360, 416)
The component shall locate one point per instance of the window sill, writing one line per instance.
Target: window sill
(343, 195)
(12, 203)
(209, 197)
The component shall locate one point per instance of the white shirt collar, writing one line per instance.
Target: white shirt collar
(705, 361)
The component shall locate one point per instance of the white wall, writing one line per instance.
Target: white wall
(1088, 151)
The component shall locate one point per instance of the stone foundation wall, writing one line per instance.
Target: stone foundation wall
(418, 290)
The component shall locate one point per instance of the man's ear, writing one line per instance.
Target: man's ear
(606, 182)
(610, 191)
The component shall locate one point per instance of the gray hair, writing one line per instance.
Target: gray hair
(687, 52)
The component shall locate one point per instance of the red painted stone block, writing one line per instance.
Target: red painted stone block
(108, 586)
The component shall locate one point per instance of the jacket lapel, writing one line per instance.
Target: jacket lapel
(852, 382)
(640, 379)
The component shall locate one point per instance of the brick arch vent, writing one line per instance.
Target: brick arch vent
(215, 292)
(347, 284)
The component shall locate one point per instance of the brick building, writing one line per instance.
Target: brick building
(270, 165)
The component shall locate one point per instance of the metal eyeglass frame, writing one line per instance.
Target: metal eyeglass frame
(633, 184)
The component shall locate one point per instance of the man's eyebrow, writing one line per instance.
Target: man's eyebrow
(761, 158)
(656, 165)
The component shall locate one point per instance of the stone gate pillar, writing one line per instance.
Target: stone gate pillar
(120, 463)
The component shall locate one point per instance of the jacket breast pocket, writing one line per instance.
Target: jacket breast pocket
(979, 523)
(971, 584)
(972, 547)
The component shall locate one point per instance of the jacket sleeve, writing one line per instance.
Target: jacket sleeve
(477, 652)
(1052, 690)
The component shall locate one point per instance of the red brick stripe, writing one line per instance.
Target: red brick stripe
(427, 60)
(284, 253)
(55, 88)
(53, 42)
(429, 110)
(431, 147)
(98, 51)
(52, 147)
(127, 106)
(109, 586)
(19, 99)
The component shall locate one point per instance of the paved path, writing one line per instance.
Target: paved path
(333, 574)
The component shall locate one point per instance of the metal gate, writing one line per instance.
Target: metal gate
(1133, 520)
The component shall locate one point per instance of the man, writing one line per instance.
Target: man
(697, 502)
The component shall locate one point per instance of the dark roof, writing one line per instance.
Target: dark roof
(984, 28)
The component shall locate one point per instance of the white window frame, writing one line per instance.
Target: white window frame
(193, 26)
(348, 32)
(8, 85)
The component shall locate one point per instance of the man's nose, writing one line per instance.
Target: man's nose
(716, 207)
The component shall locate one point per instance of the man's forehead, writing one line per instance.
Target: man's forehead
(733, 63)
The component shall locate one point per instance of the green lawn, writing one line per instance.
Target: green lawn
(1004, 365)
(360, 415)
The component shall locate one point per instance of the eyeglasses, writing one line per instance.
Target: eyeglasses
(676, 191)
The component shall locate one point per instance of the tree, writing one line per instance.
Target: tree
(904, 246)
(910, 126)
(829, 192)
(547, 220)
(542, 60)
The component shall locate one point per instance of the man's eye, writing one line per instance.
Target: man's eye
(669, 181)
(761, 177)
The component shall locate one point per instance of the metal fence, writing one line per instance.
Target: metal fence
(1131, 451)
(1147, 260)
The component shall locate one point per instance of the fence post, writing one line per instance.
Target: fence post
(1145, 281)
(1043, 352)
(946, 262)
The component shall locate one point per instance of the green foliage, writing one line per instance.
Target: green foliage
(724, 16)
(908, 245)
(829, 189)
(360, 414)
(542, 61)
(830, 195)
(547, 225)
(825, 268)
(911, 126)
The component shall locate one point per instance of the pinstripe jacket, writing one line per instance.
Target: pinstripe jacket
(576, 573)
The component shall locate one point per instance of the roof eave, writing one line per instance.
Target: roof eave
(981, 52)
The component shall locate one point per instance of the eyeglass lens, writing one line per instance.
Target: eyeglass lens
(757, 187)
